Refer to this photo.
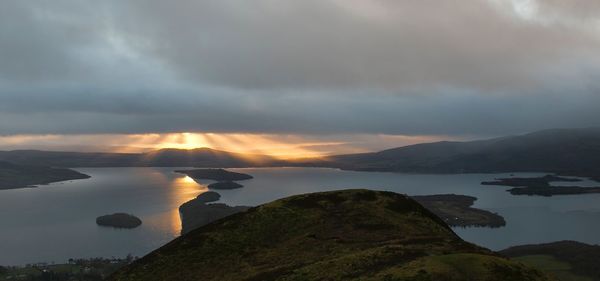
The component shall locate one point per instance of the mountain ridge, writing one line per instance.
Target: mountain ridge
(554, 150)
(564, 151)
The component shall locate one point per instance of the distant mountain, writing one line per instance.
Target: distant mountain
(203, 157)
(574, 151)
(69, 159)
(340, 235)
(200, 157)
(17, 176)
(568, 151)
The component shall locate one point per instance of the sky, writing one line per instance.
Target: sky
(310, 76)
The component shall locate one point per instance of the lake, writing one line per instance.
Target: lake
(56, 222)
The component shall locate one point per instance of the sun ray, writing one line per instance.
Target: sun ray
(280, 146)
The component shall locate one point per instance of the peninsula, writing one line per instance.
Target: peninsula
(196, 213)
(19, 176)
(456, 211)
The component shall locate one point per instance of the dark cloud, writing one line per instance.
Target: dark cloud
(398, 46)
(486, 67)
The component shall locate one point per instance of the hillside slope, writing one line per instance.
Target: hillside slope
(340, 235)
(575, 151)
(568, 151)
(580, 258)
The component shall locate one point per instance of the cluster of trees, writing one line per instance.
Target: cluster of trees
(92, 269)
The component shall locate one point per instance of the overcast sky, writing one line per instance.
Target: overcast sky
(309, 67)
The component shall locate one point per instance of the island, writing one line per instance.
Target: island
(214, 174)
(225, 185)
(530, 182)
(456, 211)
(119, 220)
(553, 190)
(207, 197)
(541, 186)
(20, 176)
(590, 174)
(196, 213)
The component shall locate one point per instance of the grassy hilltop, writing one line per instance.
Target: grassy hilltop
(340, 235)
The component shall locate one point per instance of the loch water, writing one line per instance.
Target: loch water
(55, 222)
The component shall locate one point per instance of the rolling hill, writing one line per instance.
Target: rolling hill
(200, 157)
(570, 151)
(564, 151)
(567, 260)
(340, 235)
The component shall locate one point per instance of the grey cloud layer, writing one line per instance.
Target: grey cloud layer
(312, 66)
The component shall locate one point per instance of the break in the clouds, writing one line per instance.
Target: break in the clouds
(476, 67)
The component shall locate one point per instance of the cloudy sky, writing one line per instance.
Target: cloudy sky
(358, 74)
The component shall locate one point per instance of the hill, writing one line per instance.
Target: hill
(340, 235)
(566, 151)
(200, 157)
(569, 151)
(568, 260)
(17, 176)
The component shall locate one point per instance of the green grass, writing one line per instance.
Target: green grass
(341, 235)
(561, 270)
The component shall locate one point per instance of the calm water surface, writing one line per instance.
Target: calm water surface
(57, 222)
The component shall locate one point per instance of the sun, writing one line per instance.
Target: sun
(238, 142)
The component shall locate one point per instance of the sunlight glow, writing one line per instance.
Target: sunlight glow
(183, 189)
(281, 146)
(188, 180)
(291, 147)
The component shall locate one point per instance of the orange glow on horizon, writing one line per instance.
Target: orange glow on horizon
(248, 144)
(280, 146)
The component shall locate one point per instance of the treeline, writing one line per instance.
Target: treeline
(92, 269)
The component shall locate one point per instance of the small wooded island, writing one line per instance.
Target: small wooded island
(541, 186)
(214, 174)
(119, 220)
(207, 197)
(19, 176)
(225, 185)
